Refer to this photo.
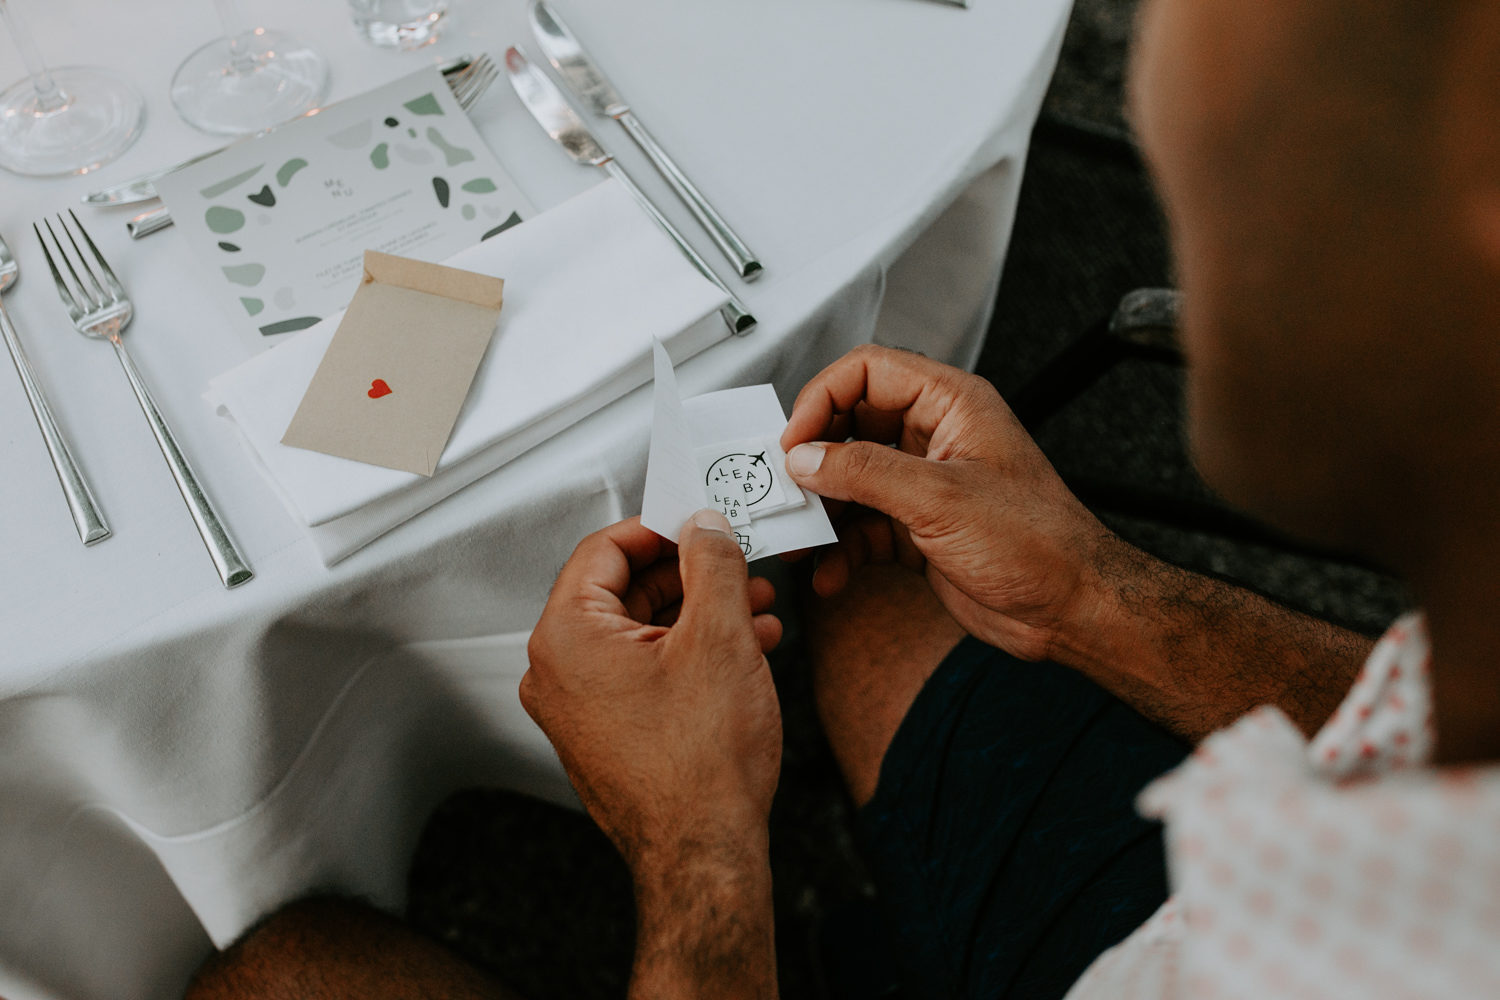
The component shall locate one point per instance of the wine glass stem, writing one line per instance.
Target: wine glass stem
(49, 97)
(241, 60)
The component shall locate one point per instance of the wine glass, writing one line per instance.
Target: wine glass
(249, 80)
(65, 121)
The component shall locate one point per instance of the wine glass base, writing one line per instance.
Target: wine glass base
(399, 24)
(279, 77)
(100, 117)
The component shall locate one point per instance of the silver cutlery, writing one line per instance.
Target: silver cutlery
(593, 89)
(143, 186)
(146, 223)
(102, 311)
(474, 76)
(81, 503)
(559, 120)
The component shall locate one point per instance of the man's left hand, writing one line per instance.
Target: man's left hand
(648, 674)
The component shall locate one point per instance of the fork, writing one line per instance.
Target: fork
(81, 503)
(468, 85)
(102, 312)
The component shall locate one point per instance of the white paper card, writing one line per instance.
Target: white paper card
(672, 491)
(713, 449)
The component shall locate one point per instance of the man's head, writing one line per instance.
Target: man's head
(1331, 171)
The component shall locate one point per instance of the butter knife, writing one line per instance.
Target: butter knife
(558, 119)
(143, 187)
(594, 90)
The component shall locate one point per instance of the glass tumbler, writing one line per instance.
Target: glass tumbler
(398, 24)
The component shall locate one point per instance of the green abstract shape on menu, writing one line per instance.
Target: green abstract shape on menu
(214, 190)
(252, 306)
(412, 132)
(289, 169)
(381, 156)
(480, 185)
(228, 247)
(440, 188)
(469, 212)
(455, 154)
(290, 325)
(265, 196)
(244, 274)
(514, 220)
(427, 104)
(224, 220)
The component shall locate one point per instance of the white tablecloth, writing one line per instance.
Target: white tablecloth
(176, 759)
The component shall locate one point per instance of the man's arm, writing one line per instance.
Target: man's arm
(1194, 653)
(704, 928)
(648, 674)
(966, 496)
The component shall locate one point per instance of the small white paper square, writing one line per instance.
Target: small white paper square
(739, 474)
(728, 502)
(747, 478)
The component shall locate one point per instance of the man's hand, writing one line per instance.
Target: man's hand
(648, 674)
(968, 498)
(965, 495)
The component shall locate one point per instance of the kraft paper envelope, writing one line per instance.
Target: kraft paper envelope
(395, 375)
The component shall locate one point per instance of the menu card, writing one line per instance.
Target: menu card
(283, 220)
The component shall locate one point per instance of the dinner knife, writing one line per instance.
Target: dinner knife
(558, 119)
(592, 87)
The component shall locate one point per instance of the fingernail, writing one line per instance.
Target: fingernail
(712, 520)
(805, 459)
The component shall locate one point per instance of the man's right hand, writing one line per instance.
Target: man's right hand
(965, 496)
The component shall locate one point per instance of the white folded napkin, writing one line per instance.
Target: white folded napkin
(588, 284)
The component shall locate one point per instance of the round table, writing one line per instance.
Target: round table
(177, 759)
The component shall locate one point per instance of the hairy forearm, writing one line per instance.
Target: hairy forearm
(1194, 653)
(704, 929)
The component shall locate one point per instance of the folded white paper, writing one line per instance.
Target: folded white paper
(721, 450)
(588, 286)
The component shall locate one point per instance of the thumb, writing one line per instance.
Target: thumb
(715, 577)
(873, 475)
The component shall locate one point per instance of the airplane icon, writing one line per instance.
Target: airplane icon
(758, 459)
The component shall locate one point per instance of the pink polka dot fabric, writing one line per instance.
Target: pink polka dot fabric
(1338, 870)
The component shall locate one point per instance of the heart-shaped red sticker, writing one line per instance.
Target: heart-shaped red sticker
(378, 388)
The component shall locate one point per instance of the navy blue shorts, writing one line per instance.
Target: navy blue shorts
(1003, 838)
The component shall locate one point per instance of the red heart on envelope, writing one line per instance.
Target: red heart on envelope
(378, 388)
